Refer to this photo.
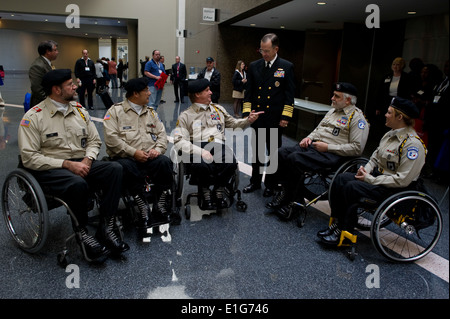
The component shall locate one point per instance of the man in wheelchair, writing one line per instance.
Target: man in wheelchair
(58, 144)
(394, 166)
(342, 132)
(200, 133)
(136, 138)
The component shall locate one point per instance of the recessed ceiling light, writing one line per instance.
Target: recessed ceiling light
(412, 12)
(252, 24)
(12, 15)
(282, 27)
(321, 3)
(46, 20)
(118, 21)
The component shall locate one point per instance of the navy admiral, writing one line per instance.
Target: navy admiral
(395, 165)
(200, 132)
(270, 88)
(59, 145)
(136, 138)
(342, 132)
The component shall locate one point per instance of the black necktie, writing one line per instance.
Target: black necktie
(267, 65)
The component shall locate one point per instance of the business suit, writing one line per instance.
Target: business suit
(37, 70)
(214, 83)
(178, 76)
(272, 91)
(85, 71)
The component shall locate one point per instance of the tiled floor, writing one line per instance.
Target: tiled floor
(230, 255)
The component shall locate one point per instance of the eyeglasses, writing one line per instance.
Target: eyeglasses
(264, 51)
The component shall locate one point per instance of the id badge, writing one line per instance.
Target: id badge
(436, 99)
(87, 68)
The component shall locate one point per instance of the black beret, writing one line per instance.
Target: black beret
(136, 85)
(197, 85)
(345, 87)
(405, 106)
(209, 59)
(55, 77)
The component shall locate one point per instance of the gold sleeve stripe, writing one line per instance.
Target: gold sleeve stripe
(288, 111)
(247, 108)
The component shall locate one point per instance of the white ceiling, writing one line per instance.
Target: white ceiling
(293, 15)
(307, 14)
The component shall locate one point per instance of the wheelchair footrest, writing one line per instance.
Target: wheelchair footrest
(345, 237)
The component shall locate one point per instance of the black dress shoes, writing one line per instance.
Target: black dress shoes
(326, 232)
(333, 238)
(250, 188)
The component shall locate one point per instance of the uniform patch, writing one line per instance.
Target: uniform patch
(361, 124)
(412, 153)
(215, 117)
(107, 117)
(336, 131)
(25, 123)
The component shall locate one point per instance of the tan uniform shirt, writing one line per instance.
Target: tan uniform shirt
(47, 137)
(126, 131)
(196, 125)
(344, 130)
(399, 158)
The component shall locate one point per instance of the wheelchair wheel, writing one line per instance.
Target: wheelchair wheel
(316, 184)
(414, 230)
(25, 210)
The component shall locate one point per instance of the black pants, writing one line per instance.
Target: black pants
(346, 193)
(219, 171)
(263, 140)
(158, 170)
(76, 190)
(293, 162)
(178, 85)
(86, 85)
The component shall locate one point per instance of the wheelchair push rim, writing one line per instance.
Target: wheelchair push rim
(25, 210)
(414, 230)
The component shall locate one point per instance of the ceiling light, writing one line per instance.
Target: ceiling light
(118, 21)
(252, 24)
(321, 3)
(282, 27)
(46, 20)
(412, 12)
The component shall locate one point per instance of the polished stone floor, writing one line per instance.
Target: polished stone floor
(232, 255)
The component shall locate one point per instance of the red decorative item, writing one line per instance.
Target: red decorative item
(159, 84)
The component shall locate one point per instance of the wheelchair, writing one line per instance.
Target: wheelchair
(404, 227)
(26, 209)
(184, 173)
(317, 186)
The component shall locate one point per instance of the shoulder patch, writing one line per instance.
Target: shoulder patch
(107, 117)
(412, 153)
(37, 108)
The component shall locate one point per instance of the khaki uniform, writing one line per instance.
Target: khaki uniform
(196, 126)
(344, 130)
(47, 137)
(398, 159)
(125, 131)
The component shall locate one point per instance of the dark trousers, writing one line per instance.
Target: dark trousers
(346, 193)
(293, 162)
(258, 159)
(86, 85)
(178, 85)
(219, 171)
(76, 190)
(158, 170)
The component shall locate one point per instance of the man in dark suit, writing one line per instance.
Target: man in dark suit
(177, 78)
(213, 76)
(270, 88)
(48, 52)
(85, 73)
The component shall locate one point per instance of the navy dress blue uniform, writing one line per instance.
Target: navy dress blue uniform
(270, 90)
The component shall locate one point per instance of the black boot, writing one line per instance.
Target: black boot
(95, 251)
(142, 217)
(278, 200)
(327, 232)
(109, 236)
(205, 199)
(219, 194)
(161, 212)
(333, 238)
